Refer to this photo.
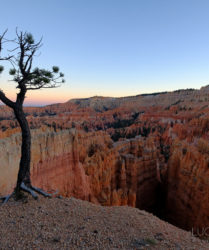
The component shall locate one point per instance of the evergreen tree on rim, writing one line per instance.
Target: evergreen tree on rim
(26, 78)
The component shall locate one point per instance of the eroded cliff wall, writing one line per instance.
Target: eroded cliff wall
(188, 185)
(86, 165)
(149, 151)
(54, 163)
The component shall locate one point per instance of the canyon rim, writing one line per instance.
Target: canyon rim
(148, 151)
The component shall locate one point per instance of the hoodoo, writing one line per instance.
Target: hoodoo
(148, 151)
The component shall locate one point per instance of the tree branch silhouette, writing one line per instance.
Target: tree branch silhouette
(26, 78)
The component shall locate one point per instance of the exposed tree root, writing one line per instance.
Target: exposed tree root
(31, 190)
(6, 198)
(40, 191)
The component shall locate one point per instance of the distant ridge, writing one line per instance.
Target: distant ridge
(165, 98)
(144, 94)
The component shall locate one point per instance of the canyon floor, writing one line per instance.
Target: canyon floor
(69, 223)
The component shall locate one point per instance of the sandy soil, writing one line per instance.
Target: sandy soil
(62, 223)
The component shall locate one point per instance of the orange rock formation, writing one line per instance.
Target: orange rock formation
(148, 151)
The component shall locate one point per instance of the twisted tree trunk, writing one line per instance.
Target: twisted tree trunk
(26, 79)
(24, 166)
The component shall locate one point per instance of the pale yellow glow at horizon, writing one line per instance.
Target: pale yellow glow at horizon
(72, 91)
(63, 94)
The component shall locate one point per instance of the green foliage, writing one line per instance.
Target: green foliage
(12, 72)
(1, 69)
(55, 69)
(154, 94)
(22, 70)
(46, 73)
(36, 71)
(183, 90)
(41, 75)
(45, 80)
(29, 38)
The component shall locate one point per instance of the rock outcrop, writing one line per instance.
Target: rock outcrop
(188, 185)
(88, 166)
(149, 151)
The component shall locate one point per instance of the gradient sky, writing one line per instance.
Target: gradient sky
(113, 47)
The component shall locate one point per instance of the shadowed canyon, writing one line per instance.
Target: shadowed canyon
(149, 151)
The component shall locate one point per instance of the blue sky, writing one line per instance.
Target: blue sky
(114, 47)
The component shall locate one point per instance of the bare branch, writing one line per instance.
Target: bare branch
(12, 50)
(5, 58)
(1, 39)
(6, 100)
(26, 78)
(29, 60)
(22, 61)
(44, 87)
